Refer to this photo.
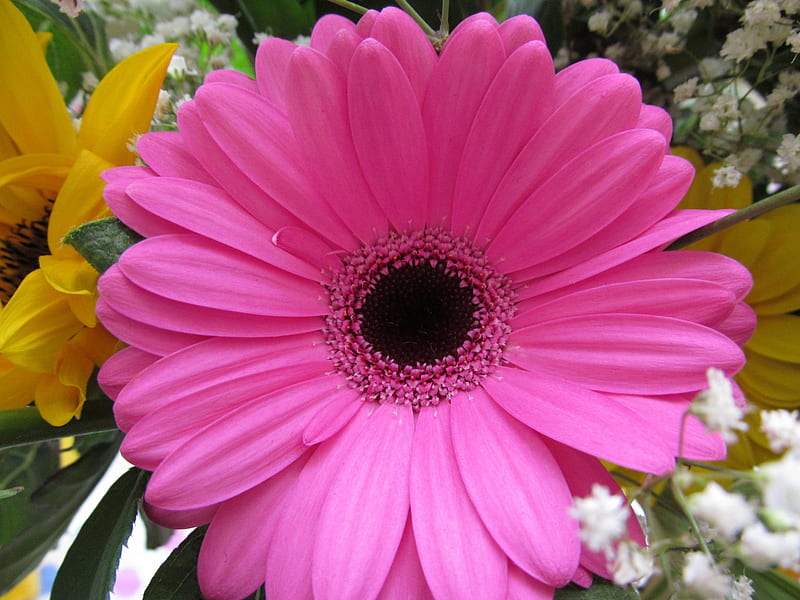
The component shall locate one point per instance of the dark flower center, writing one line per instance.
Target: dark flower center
(417, 314)
(20, 252)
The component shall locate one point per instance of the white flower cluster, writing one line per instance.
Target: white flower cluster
(764, 22)
(717, 408)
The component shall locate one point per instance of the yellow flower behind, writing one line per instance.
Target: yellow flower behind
(769, 247)
(50, 340)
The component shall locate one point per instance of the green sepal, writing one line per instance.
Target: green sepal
(89, 568)
(49, 510)
(601, 589)
(102, 242)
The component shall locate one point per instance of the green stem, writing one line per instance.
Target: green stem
(756, 209)
(357, 8)
(25, 426)
(681, 499)
(416, 16)
(444, 26)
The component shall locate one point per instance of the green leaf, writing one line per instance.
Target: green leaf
(102, 242)
(24, 426)
(90, 566)
(601, 589)
(50, 510)
(547, 13)
(10, 492)
(156, 535)
(176, 578)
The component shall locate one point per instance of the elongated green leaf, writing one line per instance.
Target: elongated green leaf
(90, 566)
(49, 511)
(102, 242)
(176, 578)
(601, 590)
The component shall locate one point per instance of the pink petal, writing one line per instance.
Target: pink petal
(572, 78)
(601, 108)
(388, 134)
(259, 140)
(317, 97)
(398, 32)
(167, 154)
(655, 117)
(232, 77)
(406, 581)
(366, 22)
(740, 324)
(249, 445)
(326, 29)
(668, 186)
(522, 586)
(446, 525)
(152, 340)
(342, 407)
(181, 519)
(625, 353)
(214, 365)
(228, 568)
(188, 268)
(118, 370)
(584, 196)
(126, 210)
(362, 520)
(578, 417)
(288, 564)
(676, 298)
(518, 31)
(582, 472)
(342, 48)
(665, 418)
(663, 232)
(306, 246)
(229, 176)
(469, 61)
(526, 79)
(210, 212)
(516, 487)
(272, 62)
(138, 305)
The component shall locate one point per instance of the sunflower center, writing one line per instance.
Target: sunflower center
(20, 251)
(414, 318)
(417, 314)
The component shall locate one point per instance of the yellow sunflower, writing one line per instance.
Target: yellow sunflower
(50, 340)
(769, 247)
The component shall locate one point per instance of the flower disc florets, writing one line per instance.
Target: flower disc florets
(416, 317)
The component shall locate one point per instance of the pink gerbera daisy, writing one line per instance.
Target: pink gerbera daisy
(394, 305)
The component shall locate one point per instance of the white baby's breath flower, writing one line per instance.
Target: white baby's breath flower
(89, 81)
(727, 513)
(260, 37)
(602, 517)
(781, 489)
(789, 151)
(710, 121)
(632, 564)
(742, 588)
(686, 90)
(781, 428)
(762, 549)
(793, 41)
(599, 21)
(703, 579)
(726, 176)
(717, 408)
(682, 21)
(741, 44)
(162, 106)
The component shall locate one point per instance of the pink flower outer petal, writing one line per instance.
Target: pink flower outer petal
(317, 100)
(363, 517)
(166, 153)
(496, 137)
(570, 79)
(388, 134)
(578, 417)
(469, 61)
(521, 586)
(518, 31)
(232, 77)
(272, 61)
(326, 29)
(181, 519)
(288, 566)
(342, 407)
(239, 451)
(447, 527)
(625, 353)
(406, 581)
(123, 366)
(140, 220)
(223, 574)
(516, 487)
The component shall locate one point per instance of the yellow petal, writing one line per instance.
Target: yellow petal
(46, 172)
(32, 110)
(73, 276)
(35, 324)
(770, 383)
(44, 37)
(80, 198)
(122, 105)
(17, 385)
(58, 403)
(746, 242)
(95, 343)
(27, 589)
(83, 308)
(777, 337)
(690, 154)
(19, 203)
(775, 271)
